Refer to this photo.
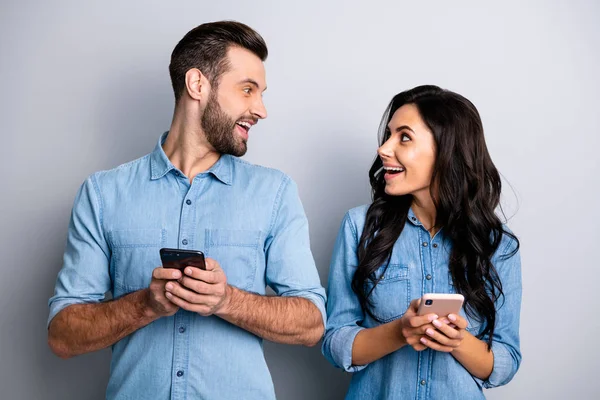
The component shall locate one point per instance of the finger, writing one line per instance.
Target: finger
(166, 273)
(183, 293)
(200, 287)
(202, 309)
(435, 346)
(419, 320)
(211, 264)
(414, 305)
(419, 346)
(447, 330)
(459, 321)
(211, 277)
(442, 339)
(179, 302)
(447, 322)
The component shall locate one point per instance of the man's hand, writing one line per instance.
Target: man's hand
(203, 292)
(158, 304)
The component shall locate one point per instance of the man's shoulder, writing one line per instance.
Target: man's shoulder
(260, 172)
(124, 172)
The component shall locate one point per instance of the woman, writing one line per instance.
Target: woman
(432, 228)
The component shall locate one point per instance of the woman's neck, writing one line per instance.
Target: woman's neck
(424, 209)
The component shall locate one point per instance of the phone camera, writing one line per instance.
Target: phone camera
(428, 302)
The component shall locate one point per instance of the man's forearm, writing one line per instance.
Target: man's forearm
(289, 320)
(83, 328)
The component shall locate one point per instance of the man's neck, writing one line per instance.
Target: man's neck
(187, 148)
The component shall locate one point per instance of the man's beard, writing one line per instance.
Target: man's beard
(219, 129)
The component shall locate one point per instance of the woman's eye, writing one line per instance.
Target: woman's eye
(405, 138)
(247, 90)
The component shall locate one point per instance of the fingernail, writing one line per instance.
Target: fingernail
(437, 323)
(188, 271)
(423, 340)
(452, 317)
(429, 331)
(169, 286)
(169, 295)
(432, 317)
(445, 321)
(175, 274)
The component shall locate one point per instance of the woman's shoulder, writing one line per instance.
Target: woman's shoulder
(509, 243)
(354, 219)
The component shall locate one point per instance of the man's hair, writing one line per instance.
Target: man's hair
(205, 47)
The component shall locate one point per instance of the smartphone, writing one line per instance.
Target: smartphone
(179, 259)
(440, 304)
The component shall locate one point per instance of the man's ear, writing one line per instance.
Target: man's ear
(196, 84)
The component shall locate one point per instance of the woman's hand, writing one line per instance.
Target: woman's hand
(446, 334)
(414, 327)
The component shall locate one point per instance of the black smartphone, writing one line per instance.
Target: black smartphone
(179, 259)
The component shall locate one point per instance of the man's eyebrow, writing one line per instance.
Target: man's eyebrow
(252, 82)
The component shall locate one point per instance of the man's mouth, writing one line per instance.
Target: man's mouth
(244, 125)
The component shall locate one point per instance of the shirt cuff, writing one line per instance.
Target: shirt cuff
(503, 369)
(317, 301)
(340, 348)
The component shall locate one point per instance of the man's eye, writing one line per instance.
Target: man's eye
(247, 90)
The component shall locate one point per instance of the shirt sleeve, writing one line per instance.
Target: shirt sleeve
(84, 277)
(291, 269)
(343, 308)
(505, 341)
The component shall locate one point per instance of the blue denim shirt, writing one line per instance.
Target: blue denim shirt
(248, 218)
(418, 265)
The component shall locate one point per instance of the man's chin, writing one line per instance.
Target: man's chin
(240, 149)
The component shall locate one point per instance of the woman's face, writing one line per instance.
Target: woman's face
(408, 155)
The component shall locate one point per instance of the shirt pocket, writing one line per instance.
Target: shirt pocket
(237, 252)
(391, 296)
(135, 254)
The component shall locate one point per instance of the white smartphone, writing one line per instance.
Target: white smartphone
(440, 304)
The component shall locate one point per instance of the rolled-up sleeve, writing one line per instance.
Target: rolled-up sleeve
(84, 276)
(291, 269)
(343, 308)
(505, 341)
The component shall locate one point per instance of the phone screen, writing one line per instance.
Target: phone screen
(179, 259)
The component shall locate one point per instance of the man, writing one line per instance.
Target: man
(196, 334)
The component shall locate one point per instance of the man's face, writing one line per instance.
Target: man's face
(236, 104)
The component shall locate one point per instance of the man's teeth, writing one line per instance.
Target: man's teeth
(244, 124)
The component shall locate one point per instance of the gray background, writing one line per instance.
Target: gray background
(84, 87)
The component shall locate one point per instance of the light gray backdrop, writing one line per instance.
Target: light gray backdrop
(85, 86)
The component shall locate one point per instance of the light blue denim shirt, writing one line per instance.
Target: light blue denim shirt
(248, 218)
(418, 265)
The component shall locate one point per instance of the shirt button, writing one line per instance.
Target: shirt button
(414, 219)
(423, 382)
(435, 245)
(181, 329)
(428, 277)
(180, 373)
(424, 244)
(184, 242)
(188, 202)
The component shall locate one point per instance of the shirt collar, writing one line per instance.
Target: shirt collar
(160, 164)
(413, 218)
